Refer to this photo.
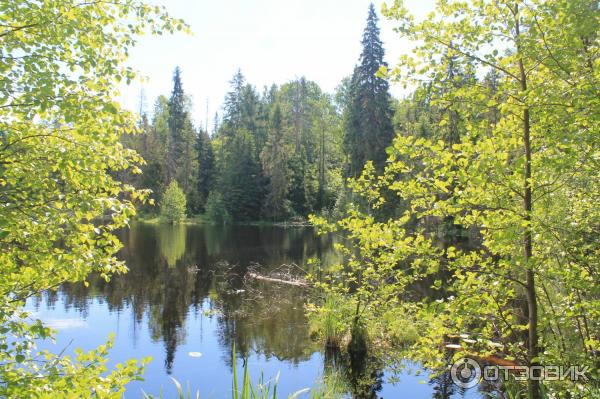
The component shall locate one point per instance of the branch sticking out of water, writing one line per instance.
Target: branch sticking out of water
(293, 282)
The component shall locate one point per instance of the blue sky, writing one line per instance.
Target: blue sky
(272, 41)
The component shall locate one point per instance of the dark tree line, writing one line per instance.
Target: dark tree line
(279, 154)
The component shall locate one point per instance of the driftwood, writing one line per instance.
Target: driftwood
(295, 283)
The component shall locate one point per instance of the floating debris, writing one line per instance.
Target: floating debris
(195, 354)
(287, 274)
(297, 283)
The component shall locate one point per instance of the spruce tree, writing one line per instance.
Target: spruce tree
(180, 156)
(275, 166)
(206, 168)
(368, 120)
(240, 174)
(232, 107)
(241, 179)
(176, 124)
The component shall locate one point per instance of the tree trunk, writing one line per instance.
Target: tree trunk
(533, 386)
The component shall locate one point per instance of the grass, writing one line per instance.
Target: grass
(329, 323)
(331, 386)
(328, 389)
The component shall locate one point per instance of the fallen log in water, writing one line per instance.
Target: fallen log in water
(295, 283)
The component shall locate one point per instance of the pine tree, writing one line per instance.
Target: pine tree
(368, 125)
(215, 124)
(152, 148)
(451, 111)
(241, 179)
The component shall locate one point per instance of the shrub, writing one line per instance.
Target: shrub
(172, 204)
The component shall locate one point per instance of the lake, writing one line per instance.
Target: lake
(185, 303)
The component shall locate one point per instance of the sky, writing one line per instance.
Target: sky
(271, 41)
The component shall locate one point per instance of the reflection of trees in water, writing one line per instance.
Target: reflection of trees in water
(171, 300)
(172, 269)
(265, 318)
(360, 373)
(171, 242)
(443, 387)
(297, 245)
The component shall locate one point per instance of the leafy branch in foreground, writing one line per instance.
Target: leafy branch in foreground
(524, 184)
(60, 126)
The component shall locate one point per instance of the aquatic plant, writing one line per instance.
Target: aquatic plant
(329, 388)
(329, 323)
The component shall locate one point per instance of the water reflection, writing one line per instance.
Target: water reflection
(171, 243)
(185, 293)
(361, 374)
(173, 269)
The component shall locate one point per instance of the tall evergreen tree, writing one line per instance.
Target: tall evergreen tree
(368, 123)
(241, 178)
(180, 156)
(176, 123)
(240, 174)
(452, 112)
(275, 165)
(206, 168)
(232, 107)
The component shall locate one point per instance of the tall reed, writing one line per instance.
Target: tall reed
(262, 390)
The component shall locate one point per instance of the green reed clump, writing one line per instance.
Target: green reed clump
(248, 391)
(331, 386)
(180, 393)
(330, 321)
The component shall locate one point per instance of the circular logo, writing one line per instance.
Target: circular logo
(465, 373)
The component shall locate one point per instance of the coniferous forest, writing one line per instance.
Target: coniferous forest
(278, 153)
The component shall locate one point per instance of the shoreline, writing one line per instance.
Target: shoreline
(200, 220)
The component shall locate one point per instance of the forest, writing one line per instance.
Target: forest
(466, 214)
(276, 155)
(273, 156)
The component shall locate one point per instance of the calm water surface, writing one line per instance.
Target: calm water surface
(184, 295)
